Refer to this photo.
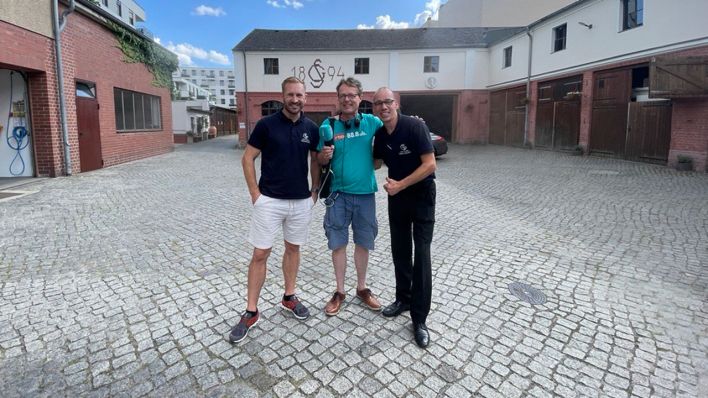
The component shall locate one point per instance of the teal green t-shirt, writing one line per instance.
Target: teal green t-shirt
(353, 160)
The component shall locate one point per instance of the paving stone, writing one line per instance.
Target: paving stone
(142, 271)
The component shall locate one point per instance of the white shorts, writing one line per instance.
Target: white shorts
(270, 214)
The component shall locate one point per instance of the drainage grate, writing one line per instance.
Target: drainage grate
(527, 293)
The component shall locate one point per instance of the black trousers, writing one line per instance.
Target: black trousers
(411, 215)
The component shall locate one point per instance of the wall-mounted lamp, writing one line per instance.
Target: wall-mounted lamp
(589, 26)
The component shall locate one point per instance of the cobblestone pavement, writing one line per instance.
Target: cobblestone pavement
(127, 280)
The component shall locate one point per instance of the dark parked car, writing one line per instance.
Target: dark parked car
(439, 144)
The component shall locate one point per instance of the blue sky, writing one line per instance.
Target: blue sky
(203, 32)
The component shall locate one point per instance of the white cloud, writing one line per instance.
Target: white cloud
(431, 11)
(295, 4)
(384, 22)
(186, 53)
(210, 11)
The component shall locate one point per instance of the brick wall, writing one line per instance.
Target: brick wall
(472, 121)
(689, 132)
(91, 53)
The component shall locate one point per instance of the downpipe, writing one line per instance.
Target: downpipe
(528, 89)
(59, 22)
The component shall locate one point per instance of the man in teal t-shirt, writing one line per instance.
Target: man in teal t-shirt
(352, 200)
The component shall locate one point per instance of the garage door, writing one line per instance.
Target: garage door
(506, 116)
(558, 113)
(436, 110)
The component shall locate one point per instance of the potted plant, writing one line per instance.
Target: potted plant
(684, 163)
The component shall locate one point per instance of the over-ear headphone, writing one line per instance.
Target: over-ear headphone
(348, 123)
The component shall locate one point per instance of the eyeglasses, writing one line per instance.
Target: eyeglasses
(347, 96)
(387, 101)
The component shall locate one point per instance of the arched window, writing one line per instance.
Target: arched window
(270, 107)
(366, 107)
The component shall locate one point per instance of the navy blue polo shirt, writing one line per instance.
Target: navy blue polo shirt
(284, 147)
(401, 150)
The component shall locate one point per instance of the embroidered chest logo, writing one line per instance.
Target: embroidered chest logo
(404, 150)
(305, 138)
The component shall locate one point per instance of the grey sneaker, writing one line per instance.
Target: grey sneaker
(240, 331)
(295, 306)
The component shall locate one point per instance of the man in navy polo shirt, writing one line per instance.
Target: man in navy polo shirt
(404, 144)
(282, 197)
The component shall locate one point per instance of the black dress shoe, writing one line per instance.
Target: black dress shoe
(422, 337)
(395, 309)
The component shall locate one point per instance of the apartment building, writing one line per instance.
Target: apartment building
(219, 82)
(127, 11)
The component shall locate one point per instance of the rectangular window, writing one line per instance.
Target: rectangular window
(361, 66)
(194, 72)
(223, 101)
(231, 102)
(136, 111)
(221, 73)
(120, 8)
(431, 64)
(507, 57)
(632, 13)
(559, 35)
(231, 92)
(105, 3)
(131, 18)
(270, 66)
(221, 82)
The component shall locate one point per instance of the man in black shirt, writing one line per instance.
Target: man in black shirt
(282, 197)
(404, 145)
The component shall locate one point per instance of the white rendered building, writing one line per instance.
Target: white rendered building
(220, 82)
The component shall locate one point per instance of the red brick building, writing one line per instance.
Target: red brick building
(114, 112)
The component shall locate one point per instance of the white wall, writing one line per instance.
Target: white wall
(515, 73)
(400, 70)
(332, 67)
(494, 13)
(668, 25)
(451, 74)
(7, 154)
(181, 116)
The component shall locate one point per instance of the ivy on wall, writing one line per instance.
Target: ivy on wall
(158, 60)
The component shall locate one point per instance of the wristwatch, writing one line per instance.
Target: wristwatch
(314, 189)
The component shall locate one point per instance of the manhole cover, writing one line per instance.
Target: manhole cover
(527, 293)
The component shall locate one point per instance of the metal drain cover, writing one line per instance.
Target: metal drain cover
(527, 293)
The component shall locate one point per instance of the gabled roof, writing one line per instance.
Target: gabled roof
(372, 39)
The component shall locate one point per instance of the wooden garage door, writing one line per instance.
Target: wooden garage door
(609, 112)
(507, 117)
(558, 113)
(649, 131)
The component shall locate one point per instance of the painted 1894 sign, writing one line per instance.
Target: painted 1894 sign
(317, 73)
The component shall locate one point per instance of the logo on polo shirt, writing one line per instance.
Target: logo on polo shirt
(305, 138)
(404, 150)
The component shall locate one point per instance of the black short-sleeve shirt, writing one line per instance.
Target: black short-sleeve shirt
(401, 150)
(284, 147)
